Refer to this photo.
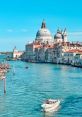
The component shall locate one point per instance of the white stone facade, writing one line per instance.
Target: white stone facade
(45, 49)
(17, 54)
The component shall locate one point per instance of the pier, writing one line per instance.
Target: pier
(3, 70)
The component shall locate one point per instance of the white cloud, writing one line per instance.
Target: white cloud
(75, 33)
(20, 30)
(9, 30)
(24, 30)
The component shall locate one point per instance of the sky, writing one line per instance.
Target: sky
(21, 19)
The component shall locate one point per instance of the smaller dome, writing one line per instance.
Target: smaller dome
(58, 35)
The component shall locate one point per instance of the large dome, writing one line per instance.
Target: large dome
(43, 34)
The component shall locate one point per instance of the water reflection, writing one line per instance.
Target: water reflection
(51, 114)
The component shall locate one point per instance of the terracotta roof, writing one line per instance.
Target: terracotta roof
(71, 44)
(74, 51)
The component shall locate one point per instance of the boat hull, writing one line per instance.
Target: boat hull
(51, 107)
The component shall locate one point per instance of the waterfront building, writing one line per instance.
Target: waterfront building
(64, 52)
(35, 51)
(9, 55)
(52, 49)
(49, 54)
(17, 54)
(31, 51)
(45, 54)
(77, 61)
(68, 57)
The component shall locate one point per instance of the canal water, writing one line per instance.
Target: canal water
(28, 88)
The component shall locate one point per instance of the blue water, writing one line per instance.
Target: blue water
(28, 88)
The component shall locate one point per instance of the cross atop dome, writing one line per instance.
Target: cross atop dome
(43, 24)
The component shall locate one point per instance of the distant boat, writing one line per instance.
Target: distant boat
(50, 105)
(26, 67)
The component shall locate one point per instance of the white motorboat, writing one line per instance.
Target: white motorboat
(50, 105)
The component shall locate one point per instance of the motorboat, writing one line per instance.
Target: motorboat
(50, 105)
(26, 67)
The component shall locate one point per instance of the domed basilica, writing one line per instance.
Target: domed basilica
(52, 49)
(44, 35)
(44, 41)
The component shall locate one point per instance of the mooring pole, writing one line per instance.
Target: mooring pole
(4, 80)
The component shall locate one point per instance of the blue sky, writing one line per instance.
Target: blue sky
(20, 20)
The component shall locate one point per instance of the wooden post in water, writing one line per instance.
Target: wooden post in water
(4, 80)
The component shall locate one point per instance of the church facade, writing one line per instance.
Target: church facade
(52, 49)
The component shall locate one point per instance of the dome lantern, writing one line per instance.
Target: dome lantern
(43, 24)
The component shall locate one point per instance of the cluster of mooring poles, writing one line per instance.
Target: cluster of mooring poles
(4, 68)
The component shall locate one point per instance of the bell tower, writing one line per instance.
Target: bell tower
(65, 35)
